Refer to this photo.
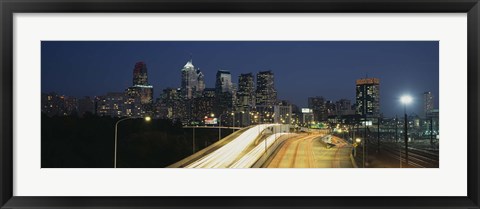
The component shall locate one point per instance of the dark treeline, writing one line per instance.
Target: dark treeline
(88, 142)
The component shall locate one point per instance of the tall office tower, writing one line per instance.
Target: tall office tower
(427, 103)
(368, 97)
(192, 81)
(246, 91)
(140, 74)
(245, 99)
(139, 97)
(224, 92)
(319, 107)
(224, 81)
(265, 92)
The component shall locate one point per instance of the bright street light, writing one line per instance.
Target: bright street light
(358, 140)
(406, 99)
(146, 118)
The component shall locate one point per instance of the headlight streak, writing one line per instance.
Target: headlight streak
(227, 154)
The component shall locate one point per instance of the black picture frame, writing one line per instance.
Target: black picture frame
(9, 7)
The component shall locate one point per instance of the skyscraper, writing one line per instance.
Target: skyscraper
(140, 74)
(265, 92)
(246, 91)
(224, 81)
(192, 81)
(224, 92)
(139, 97)
(245, 99)
(319, 107)
(427, 103)
(368, 97)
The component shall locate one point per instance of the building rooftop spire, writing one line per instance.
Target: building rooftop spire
(188, 65)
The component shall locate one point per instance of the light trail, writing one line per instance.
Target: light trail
(227, 154)
(256, 153)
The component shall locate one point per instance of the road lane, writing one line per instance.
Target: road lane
(309, 151)
(228, 154)
(295, 153)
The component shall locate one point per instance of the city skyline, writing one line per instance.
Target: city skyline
(332, 85)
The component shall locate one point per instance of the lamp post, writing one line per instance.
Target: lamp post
(406, 99)
(147, 119)
(396, 141)
(193, 140)
(219, 125)
(357, 141)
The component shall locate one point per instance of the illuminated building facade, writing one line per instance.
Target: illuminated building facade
(111, 104)
(368, 97)
(140, 76)
(427, 105)
(192, 83)
(224, 92)
(59, 105)
(139, 97)
(282, 113)
(265, 93)
(319, 107)
(203, 106)
(171, 104)
(245, 99)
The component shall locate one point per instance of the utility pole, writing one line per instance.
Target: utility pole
(378, 135)
(396, 141)
(431, 131)
(365, 122)
(406, 134)
(193, 140)
(396, 129)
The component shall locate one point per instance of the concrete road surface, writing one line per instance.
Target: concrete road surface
(308, 151)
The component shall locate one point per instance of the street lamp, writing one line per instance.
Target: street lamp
(406, 99)
(220, 124)
(357, 142)
(147, 119)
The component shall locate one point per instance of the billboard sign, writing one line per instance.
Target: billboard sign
(307, 110)
(211, 121)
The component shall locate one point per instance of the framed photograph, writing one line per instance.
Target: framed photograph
(264, 104)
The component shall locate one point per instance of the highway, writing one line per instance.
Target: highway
(242, 151)
(309, 151)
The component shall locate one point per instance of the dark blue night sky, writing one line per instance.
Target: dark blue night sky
(302, 68)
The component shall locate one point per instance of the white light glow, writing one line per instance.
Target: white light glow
(406, 99)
